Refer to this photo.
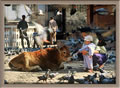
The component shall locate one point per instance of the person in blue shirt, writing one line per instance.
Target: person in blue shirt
(34, 35)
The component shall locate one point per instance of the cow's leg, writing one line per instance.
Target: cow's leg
(31, 68)
(62, 65)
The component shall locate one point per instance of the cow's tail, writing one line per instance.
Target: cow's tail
(10, 65)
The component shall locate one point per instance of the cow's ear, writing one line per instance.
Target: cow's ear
(60, 44)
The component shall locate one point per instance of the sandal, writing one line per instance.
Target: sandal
(90, 70)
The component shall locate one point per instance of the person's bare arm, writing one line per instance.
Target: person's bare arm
(96, 51)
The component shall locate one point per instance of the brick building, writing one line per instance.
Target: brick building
(104, 19)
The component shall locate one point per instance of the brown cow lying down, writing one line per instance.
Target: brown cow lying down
(49, 58)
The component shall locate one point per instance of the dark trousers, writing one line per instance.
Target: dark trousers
(22, 41)
(23, 35)
(99, 59)
(35, 44)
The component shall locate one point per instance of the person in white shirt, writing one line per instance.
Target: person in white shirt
(90, 47)
(53, 28)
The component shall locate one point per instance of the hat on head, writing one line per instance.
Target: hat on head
(88, 38)
(84, 29)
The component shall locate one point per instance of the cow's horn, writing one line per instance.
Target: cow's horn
(60, 44)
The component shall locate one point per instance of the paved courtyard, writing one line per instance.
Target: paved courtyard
(17, 77)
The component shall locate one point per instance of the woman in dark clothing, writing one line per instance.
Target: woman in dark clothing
(100, 54)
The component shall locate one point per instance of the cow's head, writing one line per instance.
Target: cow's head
(65, 56)
(65, 53)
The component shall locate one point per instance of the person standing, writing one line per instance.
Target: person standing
(34, 35)
(53, 28)
(22, 26)
(88, 58)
